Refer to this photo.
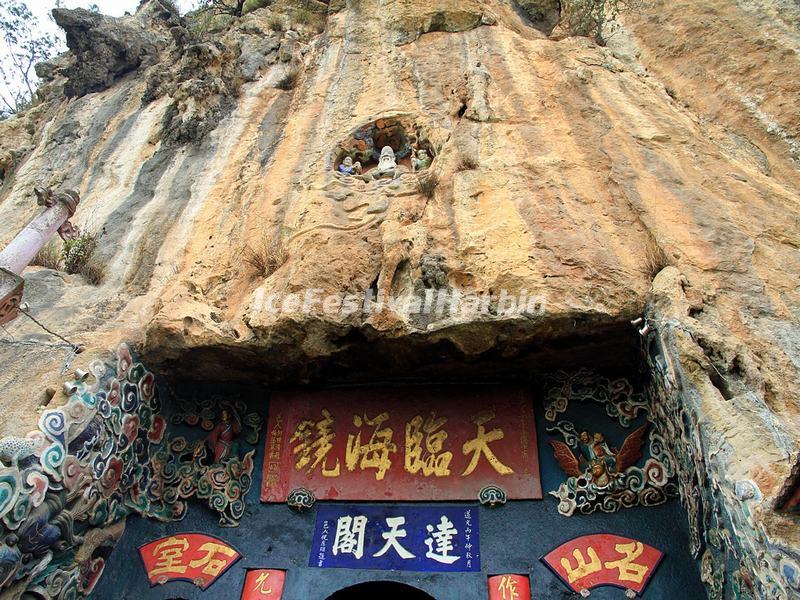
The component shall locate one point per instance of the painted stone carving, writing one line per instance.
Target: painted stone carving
(212, 469)
(387, 165)
(66, 489)
(301, 499)
(421, 161)
(596, 461)
(222, 438)
(600, 477)
(88, 467)
(492, 495)
(348, 167)
(735, 560)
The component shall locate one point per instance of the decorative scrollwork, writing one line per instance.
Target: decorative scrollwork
(301, 499)
(492, 495)
(600, 477)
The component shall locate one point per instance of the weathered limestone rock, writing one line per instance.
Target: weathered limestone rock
(104, 48)
(543, 14)
(565, 170)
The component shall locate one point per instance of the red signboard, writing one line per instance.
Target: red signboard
(402, 444)
(596, 560)
(509, 587)
(263, 584)
(200, 559)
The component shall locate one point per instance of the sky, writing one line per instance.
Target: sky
(115, 8)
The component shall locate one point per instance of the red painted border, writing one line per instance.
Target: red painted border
(185, 579)
(459, 404)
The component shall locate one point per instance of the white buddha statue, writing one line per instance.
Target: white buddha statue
(387, 165)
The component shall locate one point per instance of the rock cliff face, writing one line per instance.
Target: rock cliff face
(572, 172)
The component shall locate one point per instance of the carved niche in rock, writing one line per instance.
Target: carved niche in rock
(384, 149)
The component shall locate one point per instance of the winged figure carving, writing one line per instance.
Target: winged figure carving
(596, 459)
(566, 459)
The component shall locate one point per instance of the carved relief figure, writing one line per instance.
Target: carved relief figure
(222, 437)
(348, 167)
(422, 161)
(387, 166)
(597, 461)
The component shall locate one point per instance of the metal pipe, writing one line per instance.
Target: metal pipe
(23, 248)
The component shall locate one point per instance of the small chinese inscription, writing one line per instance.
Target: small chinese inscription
(263, 584)
(272, 460)
(397, 537)
(509, 587)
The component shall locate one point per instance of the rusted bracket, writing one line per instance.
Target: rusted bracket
(11, 286)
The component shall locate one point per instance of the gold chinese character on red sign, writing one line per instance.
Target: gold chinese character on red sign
(509, 587)
(263, 584)
(315, 441)
(194, 557)
(425, 440)
(375, 453)
(480, 445)
(596, 560)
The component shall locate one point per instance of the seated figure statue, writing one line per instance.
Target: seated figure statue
(422, 161)
(348, 167)
(387, 166)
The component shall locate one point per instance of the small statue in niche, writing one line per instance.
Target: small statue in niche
(387, 166)
(348, 167)
(422, 161)
(222, 437)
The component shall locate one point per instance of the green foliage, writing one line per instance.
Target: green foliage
(77, 252)
(588, 17)
(24, 46)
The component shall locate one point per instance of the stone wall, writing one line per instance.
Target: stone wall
(747, 549)
(569, 171)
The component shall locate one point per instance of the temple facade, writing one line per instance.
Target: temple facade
(401, 299)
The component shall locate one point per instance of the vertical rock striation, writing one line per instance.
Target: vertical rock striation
(572, 172)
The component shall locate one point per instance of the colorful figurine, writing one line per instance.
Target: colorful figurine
(348, 167)
(222, 437)
(600, 462)
(422, 160)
